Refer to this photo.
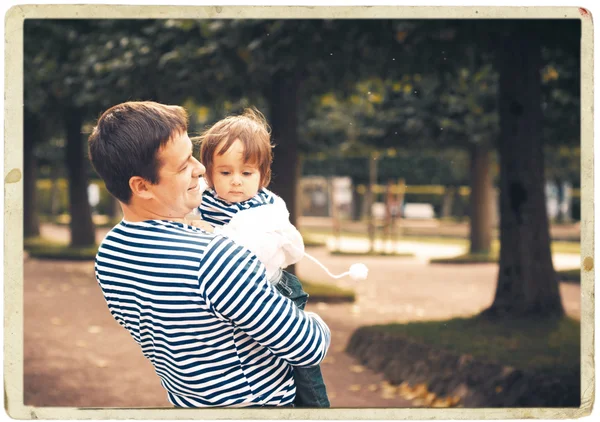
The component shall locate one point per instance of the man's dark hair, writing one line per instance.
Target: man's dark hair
(126, 141)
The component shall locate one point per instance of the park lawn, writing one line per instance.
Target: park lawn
(42, 248)
(544, 345)
(570, 275)
(327, 293)
(373, 253)
(557, 246)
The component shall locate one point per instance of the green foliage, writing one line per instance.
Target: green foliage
(422, 167)
(44, 192)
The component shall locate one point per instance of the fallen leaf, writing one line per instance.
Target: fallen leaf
(499, 389)
(372, 387)
(430, 398)
(404, 388)
(354, 387)
(322, 305)
(328, 360)
(94, 329)
(332, 395)
(454, 400)
(421, 390)
(357, 368)
(419, 402)
(56, 321)
(65, 287)
(445, 402)
(387, 395)
(80, 343)
(410, 396)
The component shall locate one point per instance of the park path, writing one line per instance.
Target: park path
(77, 355)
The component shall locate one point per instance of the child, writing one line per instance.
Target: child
(237, 154)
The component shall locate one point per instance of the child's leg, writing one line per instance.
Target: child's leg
(310, 387)
(290, 287)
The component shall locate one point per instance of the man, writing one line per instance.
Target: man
(199, 305)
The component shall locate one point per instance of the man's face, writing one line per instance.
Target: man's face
(233, 179)
(177, 192)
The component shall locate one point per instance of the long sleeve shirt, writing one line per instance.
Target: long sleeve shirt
(204, 314)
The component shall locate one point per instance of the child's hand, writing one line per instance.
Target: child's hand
(207, 227)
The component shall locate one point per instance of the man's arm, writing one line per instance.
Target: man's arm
(234, 284)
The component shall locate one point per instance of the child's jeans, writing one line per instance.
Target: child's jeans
(310, 387)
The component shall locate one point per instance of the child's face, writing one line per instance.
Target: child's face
(234, 180)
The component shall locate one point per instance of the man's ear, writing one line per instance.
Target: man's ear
(140, 187)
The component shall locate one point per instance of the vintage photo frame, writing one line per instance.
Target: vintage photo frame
(13, 217)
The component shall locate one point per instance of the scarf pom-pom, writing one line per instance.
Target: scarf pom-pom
(359, 271)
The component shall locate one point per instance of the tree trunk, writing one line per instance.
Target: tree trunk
(481, 200)
(371, 199)
(32, 132)
(81, 225)
(357, 201)
(527, 284)
(54, 191)
(448, 201)
(283, 103)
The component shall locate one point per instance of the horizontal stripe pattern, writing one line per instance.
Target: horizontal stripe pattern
(218, 212)
(202, 311)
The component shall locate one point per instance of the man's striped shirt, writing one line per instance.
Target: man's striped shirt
(200, 307)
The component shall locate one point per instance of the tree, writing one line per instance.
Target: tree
(527, 284)
(50, 90)
(32, 130)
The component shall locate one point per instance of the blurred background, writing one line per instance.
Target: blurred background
(444, 154)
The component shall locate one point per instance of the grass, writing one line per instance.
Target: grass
(327, 293)
(558, 246)
(544, 345)
(477, 258)
(367, 253)
(46, 249)
(573, 275)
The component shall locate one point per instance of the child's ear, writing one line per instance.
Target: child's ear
(140, 187)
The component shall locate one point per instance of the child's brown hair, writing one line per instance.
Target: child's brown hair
(253, 131)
